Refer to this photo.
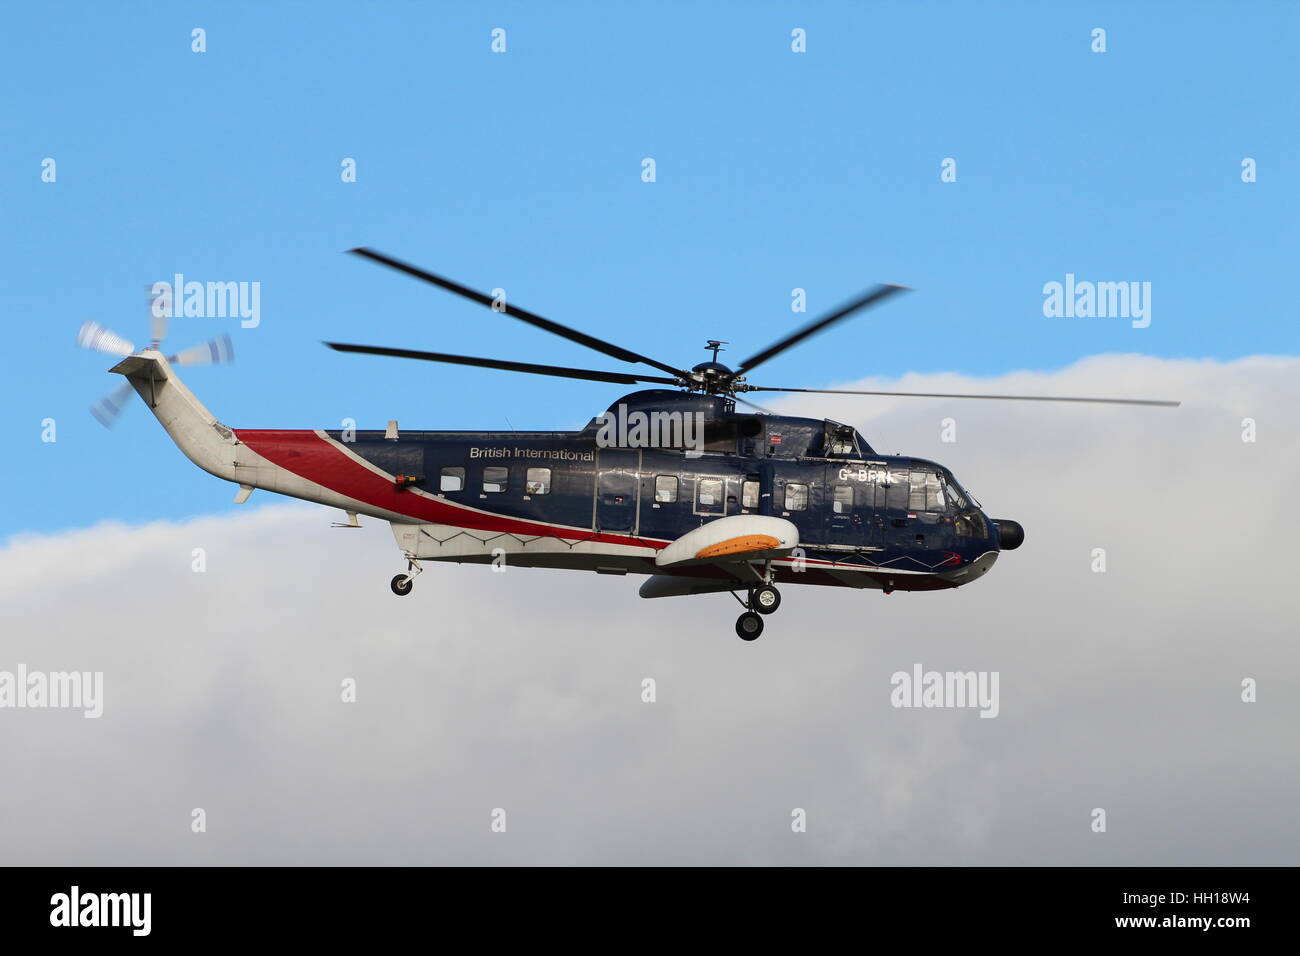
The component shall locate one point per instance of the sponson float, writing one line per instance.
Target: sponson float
(708, 498)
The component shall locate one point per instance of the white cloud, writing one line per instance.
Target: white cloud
(522, 690)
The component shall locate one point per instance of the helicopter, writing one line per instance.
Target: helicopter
(675, 482)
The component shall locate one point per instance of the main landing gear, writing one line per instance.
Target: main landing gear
(402, 583)
(763, 599)
(749, 625)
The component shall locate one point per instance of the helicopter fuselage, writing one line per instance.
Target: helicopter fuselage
(579, 500)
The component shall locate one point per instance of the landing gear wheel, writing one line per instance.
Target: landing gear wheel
(749, 625)
(765, 600)
(401, 585)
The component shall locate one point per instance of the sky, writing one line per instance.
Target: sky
(522, 170)
(775, 171)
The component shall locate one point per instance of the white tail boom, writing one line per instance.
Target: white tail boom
(194, 429)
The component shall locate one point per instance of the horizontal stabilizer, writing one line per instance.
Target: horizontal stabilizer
(140, 366)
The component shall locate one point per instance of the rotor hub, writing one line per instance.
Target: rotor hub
(712, 377)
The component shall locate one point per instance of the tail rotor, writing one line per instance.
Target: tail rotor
(97, 338)
(218, 351)
(108, 408)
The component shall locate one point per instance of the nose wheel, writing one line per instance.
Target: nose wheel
(763, 600)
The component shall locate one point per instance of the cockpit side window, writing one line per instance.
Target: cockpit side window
(925, 492)
(916, 492)
(934, 500)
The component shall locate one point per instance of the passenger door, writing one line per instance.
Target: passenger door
(891, 523)
(846, 502)
(618, 488)
(797, 497)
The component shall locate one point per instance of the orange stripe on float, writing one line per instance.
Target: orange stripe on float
(748, 542)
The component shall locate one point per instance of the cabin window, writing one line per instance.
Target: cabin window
(796, 497)
(495, 478)
(451, 479)
(537, 481)
(843, 501)
(709, 496)
(749, 494)
(665, 489)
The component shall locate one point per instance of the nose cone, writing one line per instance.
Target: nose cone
(1011, 534)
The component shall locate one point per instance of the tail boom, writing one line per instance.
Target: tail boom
(218, 449)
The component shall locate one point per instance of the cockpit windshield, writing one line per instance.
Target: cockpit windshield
(935, 491)
(961, 498)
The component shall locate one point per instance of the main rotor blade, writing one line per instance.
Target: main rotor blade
(754, 405)
(1003, 398)
(573, 335)
(878, 294)
(559, 371)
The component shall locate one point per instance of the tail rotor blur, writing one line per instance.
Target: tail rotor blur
(97, 338)
(108, 408)
(218, 351)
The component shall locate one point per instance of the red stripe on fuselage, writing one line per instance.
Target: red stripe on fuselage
(309, 456)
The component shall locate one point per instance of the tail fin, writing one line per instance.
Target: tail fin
(194, 429)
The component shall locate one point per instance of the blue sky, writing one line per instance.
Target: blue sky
(521, 170)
